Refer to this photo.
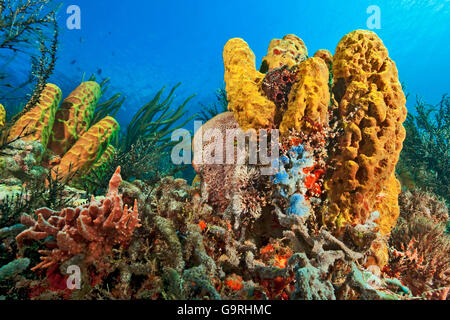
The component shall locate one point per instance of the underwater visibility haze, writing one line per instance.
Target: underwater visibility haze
(224, 150)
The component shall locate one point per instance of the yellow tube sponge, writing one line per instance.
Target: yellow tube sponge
(290, 51)
(371, 110)
(309, 98)
(102, 164)
(74, 116)
(325, 55)
(2, 115)
(246, 99)
(36, 124)
(88, 149)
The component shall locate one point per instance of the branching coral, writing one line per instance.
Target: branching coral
(92, 230)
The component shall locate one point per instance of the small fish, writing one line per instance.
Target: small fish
(73, 62)
(99, 71)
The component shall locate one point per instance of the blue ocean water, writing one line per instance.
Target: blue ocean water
(143, 45)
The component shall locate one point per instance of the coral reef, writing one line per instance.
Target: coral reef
(325, 223)
(13, 268)
(291, 84)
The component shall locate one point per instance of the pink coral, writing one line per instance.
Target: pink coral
(93, 229)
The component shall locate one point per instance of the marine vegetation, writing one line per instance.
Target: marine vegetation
(425, 160)
(210, 111)
(324, 218)
(146, 143)
(22, 24)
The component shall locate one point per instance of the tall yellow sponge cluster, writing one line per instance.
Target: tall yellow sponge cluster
(36, 124)
(251, 108)
(371, 108)
(74, 116)
(88, 149)
(309, 98)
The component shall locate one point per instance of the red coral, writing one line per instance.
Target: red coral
(91, 229)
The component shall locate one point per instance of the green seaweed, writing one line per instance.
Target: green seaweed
(425, 159)
(109, 106)
(155, 121)
(143, 151)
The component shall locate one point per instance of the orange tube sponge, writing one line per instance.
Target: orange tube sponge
(36, 124)
(92, 230)
(246, 99)
(74, 117)
(88, 149)
(371, 108)
(309, 98)
(290, 51)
